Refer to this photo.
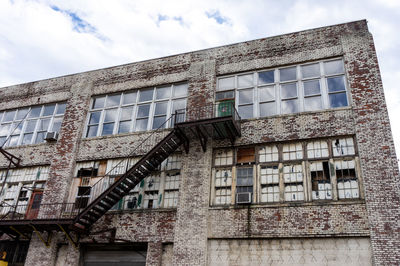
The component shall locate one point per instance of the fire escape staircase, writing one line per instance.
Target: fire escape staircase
(218, 122)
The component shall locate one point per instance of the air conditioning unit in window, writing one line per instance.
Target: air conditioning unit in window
(51, 136)
(243, 197)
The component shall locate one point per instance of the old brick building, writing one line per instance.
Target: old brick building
(307, 174)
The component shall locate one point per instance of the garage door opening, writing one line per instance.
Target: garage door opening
(113, 255)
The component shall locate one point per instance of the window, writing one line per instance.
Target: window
(270, 183)
(139, 110)
(306, 87)
(159, 190)
(346, 179)
(19, 184)
(320, 180)
(244, 181)
(29, 125)
(293, 151)
(300, 171)
(293, 179)
(223, 183)
(268, 154)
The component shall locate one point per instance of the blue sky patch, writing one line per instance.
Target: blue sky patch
(217, 17)
(79, 25)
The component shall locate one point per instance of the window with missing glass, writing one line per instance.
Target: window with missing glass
(138, 110)
(299, 88)
(297, 171)
(29, 125)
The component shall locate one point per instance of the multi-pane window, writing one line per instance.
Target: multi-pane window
(268, 154)
(307, 87)
(29, 125)
(19, 184)
(139, 110)
(158, 190)
(270, 183)
(343, 146)
(293, 179)
(347, 181)
(317, 149)
(320, 180)
(312, 170)
(293, 151)
(223, 183)
(224, 157)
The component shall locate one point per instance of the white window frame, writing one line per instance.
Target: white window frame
(26, 119)
(135, 105)
(277, 84)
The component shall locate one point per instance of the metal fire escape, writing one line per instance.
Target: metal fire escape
(218, 121)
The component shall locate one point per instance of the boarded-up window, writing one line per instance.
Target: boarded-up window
(245, 155)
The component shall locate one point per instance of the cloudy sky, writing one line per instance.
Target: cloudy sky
(47, 38)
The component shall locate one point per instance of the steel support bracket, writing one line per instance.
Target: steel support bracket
(45, 242)
(16, 230)
(73, 242)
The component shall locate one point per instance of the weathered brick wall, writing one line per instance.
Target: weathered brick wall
(289, 221)
(194, 221)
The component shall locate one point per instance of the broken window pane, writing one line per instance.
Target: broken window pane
(320, 180)
(343, 147)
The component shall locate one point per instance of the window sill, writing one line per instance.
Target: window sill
(121, 135)
(299, 113)
(115, 212)
(290, 204)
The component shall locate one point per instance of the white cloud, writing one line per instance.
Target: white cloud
(40, 39)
